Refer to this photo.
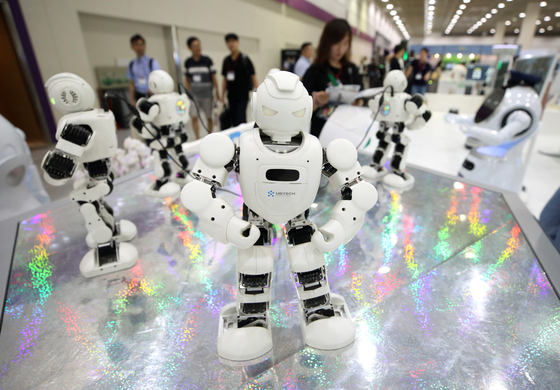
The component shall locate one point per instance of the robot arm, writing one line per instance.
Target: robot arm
(148, 110)
(453, 118)
(216, 217)
(517, 122)
(59, 165)
(419, 114)
(343, 170)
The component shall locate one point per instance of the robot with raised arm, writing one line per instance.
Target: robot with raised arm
(279, 168)
(398, 111)
(165, 114)
(507, 118)
(87, 138)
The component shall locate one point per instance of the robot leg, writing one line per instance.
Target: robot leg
(181, 175)
(376, 170)
(324, 316)
(162, 188)
(245, 324)
(108, 255)
(398, 179)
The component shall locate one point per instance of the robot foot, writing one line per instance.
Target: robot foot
(126, 231)
(108, 258)
(241, 344)
(168, 190)
(398, 182)
(372, 175)
(330, 333)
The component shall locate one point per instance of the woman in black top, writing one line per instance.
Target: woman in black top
(332, 65)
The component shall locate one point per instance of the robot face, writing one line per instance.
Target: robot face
(282, 106)
(160, 82)
(397, 80)
(70, 93)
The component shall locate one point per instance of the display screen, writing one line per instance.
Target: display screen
(536, 66)
(477, 72)
(489, 105)
(501, 75)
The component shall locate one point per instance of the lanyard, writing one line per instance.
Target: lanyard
(334, 78)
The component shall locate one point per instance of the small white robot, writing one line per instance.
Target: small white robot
(165, 115)
(508, 117)
(279, 168)
(398, 110)
(87, 139)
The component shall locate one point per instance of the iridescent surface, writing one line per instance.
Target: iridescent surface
(445, 291)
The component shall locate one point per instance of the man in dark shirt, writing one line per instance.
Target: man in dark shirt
(421, 72)
(239, 80)
(200, 80)
(397, 62)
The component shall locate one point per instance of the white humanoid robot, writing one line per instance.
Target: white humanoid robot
(87, 139)
(279, 168)
(165, 113)
(398, 111)
(507, 118)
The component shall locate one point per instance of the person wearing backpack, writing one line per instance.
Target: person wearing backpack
(239, 80)
(139, 69)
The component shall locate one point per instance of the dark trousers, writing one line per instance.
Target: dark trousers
(238, 110)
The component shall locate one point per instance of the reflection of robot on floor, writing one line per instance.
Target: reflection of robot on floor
(398, 111)
(87, 137)
(165, 114)
(279, 169)
(506, 119)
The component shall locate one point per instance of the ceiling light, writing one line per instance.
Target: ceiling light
(483, 20)
(393, 13)
(492, 31)
(538, 22)
(459, 55)
(541, 30)
(546, 18)
(508, 22)
(471, 56)
(384, 1)
(479, 23)
(399, 21)
(462, 6)
(430, 13)
(436, 55)
(456, 16)
(549, 28)
(494, 11)
(431, 2)
(430, 18)
(431, 8)
(543, 4)
(522, 15)
(396, 17)
(501, 5)
(466, 1)
(516, 31)
(488, 16)
(469, 32)
(459, 12)
(389, 6)
(557, 14)
(448, 55)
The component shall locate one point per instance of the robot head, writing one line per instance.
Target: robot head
(70, 93)
(397, 80)
(160, 82)
(282, 106)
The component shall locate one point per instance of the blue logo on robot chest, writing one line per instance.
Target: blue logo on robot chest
(386, 108)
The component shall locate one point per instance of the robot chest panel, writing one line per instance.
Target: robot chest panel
(103, 143)
(173, 109)
(276, 186)
(392, 110)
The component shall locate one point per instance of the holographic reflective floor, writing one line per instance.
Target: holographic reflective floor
(445, 291)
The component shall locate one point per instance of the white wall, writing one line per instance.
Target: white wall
(435, 39)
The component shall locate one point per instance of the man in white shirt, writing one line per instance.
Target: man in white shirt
(304, 60)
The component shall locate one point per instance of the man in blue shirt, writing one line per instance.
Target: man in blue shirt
(139, 69)
(304, 60)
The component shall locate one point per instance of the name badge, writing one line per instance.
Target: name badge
(418, 76)
(142, 81)
(196, 78)
(230, 75)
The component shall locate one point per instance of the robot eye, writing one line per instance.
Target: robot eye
(268, 111)
(299, 113)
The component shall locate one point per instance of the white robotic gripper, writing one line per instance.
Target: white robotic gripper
(279, 168)
(87, 139)
(396, 111)
(165, 114)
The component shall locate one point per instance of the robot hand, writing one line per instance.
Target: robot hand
(216, 217)
(148, 110)
(145, 130)
(346, 218)
(419, 113)
(58, 167)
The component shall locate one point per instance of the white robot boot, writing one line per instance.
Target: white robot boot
(325, 320)
(245, 332)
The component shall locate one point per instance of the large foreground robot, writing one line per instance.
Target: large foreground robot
(398, 111)
(87, 139)
(507, 118)
(165, 113)
(279, 169)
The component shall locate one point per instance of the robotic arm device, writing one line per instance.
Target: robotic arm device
(517, 122)
(216, 217)
(342, 168)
